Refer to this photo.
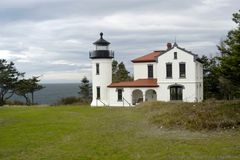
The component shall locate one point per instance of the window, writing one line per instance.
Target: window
(119, 91)
(175, 55)
(98, 92)
(97, 68)
(101, 47)
(150, 71)
(182, 70)
(169, 70)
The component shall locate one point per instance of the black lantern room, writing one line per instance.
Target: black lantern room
(102, 49)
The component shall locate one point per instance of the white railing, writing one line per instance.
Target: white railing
(124, 100)
(101, 102)
(101, 53)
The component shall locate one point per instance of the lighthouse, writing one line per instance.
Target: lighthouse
(101, 59)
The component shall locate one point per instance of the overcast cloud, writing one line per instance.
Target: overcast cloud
(52, 38)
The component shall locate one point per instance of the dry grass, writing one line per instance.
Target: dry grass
(212, 115)
(85, 133)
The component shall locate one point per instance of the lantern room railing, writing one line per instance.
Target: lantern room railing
(101, 54)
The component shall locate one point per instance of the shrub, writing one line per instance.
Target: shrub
(71, 100)
(15, 102)
(194, 116)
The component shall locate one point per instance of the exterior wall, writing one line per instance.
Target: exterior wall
(127, 95)
(113, 97)
(102, 80)
(193, 82)
(199, 81)
(182, 56)
(141, 70)
(189, 92)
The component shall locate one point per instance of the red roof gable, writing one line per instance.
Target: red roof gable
(151, 57)
(136, 83)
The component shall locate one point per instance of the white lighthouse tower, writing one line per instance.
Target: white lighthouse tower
(101, 71)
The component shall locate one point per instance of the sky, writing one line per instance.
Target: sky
(52, 38)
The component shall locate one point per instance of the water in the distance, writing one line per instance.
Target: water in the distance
(53, 92)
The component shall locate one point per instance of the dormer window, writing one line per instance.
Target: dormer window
(175, 55)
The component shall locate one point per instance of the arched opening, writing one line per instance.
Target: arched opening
(137, 96)
(176, 92)
(150, 95)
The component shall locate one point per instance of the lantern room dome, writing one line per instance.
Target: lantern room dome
(101, 41)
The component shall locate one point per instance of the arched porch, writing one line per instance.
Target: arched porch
(144, 94)
(150, 95)
(137, 96)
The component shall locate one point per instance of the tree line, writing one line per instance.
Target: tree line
(13, 82)
(221, 74)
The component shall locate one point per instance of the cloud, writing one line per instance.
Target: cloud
(53, 37)
(63, 77)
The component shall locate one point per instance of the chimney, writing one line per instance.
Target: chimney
(169, 46)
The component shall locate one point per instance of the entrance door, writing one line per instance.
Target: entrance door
(176, 93)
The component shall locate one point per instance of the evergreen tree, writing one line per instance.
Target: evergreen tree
(22, 89)
(122, 73)
(114, 70)
(27, 87)
(211, 81)
(34, 86)
(119, 72)
(85, 89)
(8, 79)
(230, 50)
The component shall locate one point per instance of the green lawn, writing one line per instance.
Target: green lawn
(75, 132)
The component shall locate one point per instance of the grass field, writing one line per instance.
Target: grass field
(81, 132)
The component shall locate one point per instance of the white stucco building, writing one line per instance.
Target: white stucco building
(173, 74)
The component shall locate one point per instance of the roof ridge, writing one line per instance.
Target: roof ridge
(150, 57)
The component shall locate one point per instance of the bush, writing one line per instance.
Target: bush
(15, 102)
(194, 116)
(71, 100)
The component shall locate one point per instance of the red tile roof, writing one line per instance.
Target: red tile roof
(151, 57)
(136, 83)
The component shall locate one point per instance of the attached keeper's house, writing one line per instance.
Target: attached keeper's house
(173, 74)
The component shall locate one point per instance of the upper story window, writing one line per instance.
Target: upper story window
(98, 93)
(182, 70)
(175, 55)
(169, 70)
(150, 71)
(119, 92)
(97, 68)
